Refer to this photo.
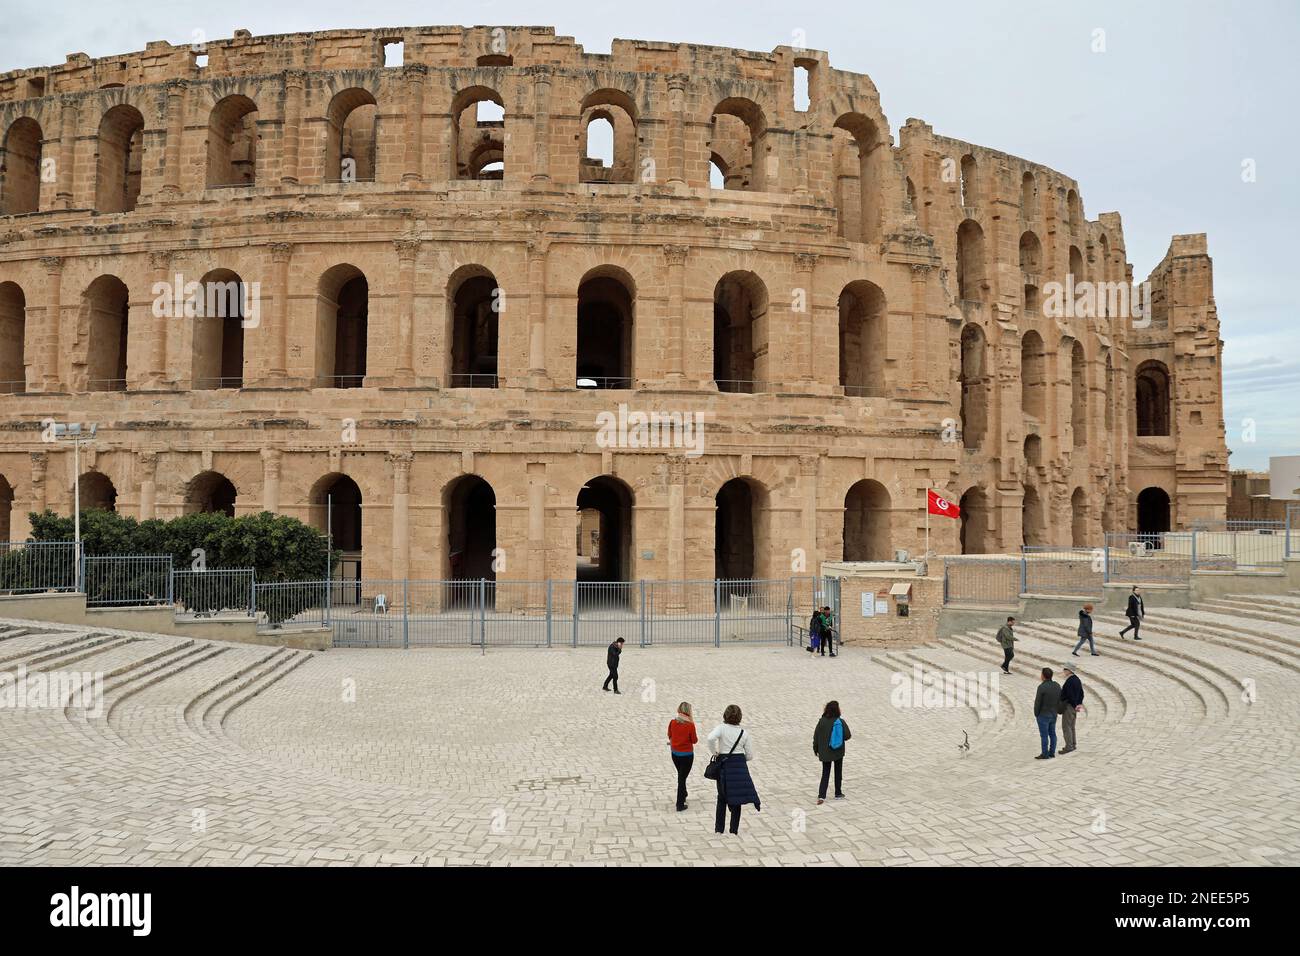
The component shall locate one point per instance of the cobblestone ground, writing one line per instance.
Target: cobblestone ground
(215, 754)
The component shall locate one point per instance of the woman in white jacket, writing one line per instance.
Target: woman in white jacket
(733, 747)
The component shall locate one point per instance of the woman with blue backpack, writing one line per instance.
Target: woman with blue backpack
(828, 746)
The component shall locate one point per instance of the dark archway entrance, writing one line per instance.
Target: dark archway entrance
(1153, 513)
(611, 557)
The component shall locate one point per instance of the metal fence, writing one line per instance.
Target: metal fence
(28, 567)
(983, 582)
(214, 592)
(134, 579)
(291, 604)
(1240, 545)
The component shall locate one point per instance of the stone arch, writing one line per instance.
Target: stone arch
(1028, 196)
(1103, 251)
(742, 530)
(20, 168)
(975, 515)
(13, 337)
(97, 492)
(1031, 263)
(217, 353)
(863, 320)
(1073, 211)
(969, 181)
(351, 137)
(105, 311)
(613, 504)
(974, 386)
(740, 330)
(478, 144)
(1033, 523)
(606, 328)
(469, 506)
(342, 327)
(867, 513)
(473, 328)
(739, 130)
(1078, 394)
(1033, 451)
(858, 143)
(335, 507)
(210, 492)
(119, 160)
(1079, 519)
(233, 142)
(1154, 513)
(616, 108)
(1151, 395)
(1076, 265)
(1033, 376)
(970, 261)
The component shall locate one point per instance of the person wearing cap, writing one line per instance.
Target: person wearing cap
(1071, 704)
(1007, 638)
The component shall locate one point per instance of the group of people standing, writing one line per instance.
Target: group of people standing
(732, 751)
(821, 632)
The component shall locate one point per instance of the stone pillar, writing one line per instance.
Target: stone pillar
(537, 371)
(808, 523)
(160, 265)
(281, 253)
(407, 251)
(271, 460)
(52, 350)
(677, 127)
(414, 74)
(401, 463)
(40, 469)
(147, 462)
(67, 152)
(172, 145)
(541, 123)
(923, 358)
(805, 266)
(677, 468)
(292, 128)
(537, 551)
(674, 327)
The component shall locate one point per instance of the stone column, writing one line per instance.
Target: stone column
(160, 266)
(923, 360)
(401, 464)
(52, 350)
(292, 127)
(808, 479)
(414, 75)
(677, 468)
(271, 460)
(147, 462)
(407, 251)
(677, 127)
(40, 469)
(674, 327)
(541, 123)
(805, 267)
(536, 249)
(67, 152)
(172, 145)
(536, 471)
(281, 253)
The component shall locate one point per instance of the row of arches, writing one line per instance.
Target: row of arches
(973, 280)
(1030, 208)
(1153, 517)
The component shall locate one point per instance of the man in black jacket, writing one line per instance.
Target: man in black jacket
(1136, 611)
(1046, 701)
(1071, 704)
(1085, 631)
(611, 661)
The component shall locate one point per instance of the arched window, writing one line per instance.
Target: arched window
(974, 386)
(352, 136)
(1033, 376)
(1033, 451)
(1073, 211)
(13, 334)
(974, 507)
(740, 333)
(1028, 197)
(343, 305)
(97, 492)
(741, 529)
(119, 162)
(218, 349)
(970, 261)
(335, 502)
(1079, 394)
(479, 134)
(1033, 526)
(1079, 519)
(470, 518)
(210, 493)
(106, 308)
(1151, 399)
(969, 181)
(859, 155)
(1103, 253)
(474, 301)
(608, 119)
(867, 523)
(20, 168)
(606, 329)
(1153, 514)
(232, 142)
(1031, 263)
(1076, 265)
(737, 139)
(862, 339)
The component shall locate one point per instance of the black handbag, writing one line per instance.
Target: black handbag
(714, 767)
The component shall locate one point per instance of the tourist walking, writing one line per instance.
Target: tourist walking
(733, 750)
(1007, 638)
(1070, 706)
(1085, 631)
(1046, 701)
(829, 737)
(681, 744)
(827, 631)
(611, 661)
(814, 630)
(1135, 612)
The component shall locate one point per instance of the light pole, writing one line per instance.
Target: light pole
(77, 434)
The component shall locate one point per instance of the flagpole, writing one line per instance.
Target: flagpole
(927, 524)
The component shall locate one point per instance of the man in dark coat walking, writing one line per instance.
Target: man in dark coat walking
(611, 661)
(1007, 638)
(1045, 703)
(1085, 632)
(1135, 612)
(1071, 704)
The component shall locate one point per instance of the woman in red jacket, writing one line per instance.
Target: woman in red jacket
(681, 742)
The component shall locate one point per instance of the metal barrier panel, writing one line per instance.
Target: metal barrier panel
(987, 582)
(217, 591)
(604, 611)
(447, 613)
(1149, 558)
(34, 566)
(1239, 545)
(1055, 572)
(366, 613)
(517, 616)
(755, 611)
(291, 604)
(127, 580)
(681, 612)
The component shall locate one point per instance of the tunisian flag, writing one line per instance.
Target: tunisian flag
(937, 505)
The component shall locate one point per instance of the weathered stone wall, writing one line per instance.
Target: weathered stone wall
(828, 234)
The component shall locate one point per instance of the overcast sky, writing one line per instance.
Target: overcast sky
(1157, 126)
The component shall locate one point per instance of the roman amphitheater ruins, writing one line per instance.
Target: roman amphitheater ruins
(432, 293)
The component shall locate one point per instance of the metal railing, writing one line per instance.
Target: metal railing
(341, 381)
(29, 567)
(1239, 545)
(106, 384)
(215, 592)
(291, 604)
(473, 380)
(127, 579)
(865, 391)
(13, 388)
(740, 386)
(983, 582)
(212, 384)
(602, 381)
